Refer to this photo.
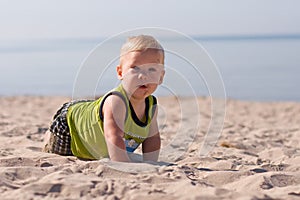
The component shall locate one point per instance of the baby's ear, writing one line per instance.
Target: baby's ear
(161, 78)
(119, 72)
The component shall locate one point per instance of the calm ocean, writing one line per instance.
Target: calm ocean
(252, 68)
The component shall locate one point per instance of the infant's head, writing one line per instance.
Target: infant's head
(142, 43)
(141, 65)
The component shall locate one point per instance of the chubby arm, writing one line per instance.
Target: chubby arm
(151, 145)
(114, 112)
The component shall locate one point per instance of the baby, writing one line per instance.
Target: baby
(125, 117)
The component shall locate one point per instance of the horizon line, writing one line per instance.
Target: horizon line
(247, 37)
(195, 37)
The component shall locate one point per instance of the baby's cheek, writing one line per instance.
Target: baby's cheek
(154, 79)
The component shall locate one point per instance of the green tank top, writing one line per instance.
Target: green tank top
(85, 122)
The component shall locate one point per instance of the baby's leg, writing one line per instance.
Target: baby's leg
(58, 139)
(48, 141)
(47, 137)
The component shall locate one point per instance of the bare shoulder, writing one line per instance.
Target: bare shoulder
(114, 105)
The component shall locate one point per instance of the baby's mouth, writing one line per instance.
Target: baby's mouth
(143, 86)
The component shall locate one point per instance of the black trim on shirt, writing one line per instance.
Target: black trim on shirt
(136, 119)
(103, 100)
(154, 106)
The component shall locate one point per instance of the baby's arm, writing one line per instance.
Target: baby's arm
(114, 112)
(151, 145)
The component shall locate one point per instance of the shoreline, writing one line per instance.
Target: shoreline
(158, 96)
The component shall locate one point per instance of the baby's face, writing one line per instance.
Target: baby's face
(141, 72)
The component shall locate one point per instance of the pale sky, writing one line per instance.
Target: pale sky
(35, 19)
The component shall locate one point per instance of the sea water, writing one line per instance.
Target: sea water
(255, 68)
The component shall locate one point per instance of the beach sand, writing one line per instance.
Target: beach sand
(256, 157)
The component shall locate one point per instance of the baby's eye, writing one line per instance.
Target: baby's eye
(152, 69)
(136, 68)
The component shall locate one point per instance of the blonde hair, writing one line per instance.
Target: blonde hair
(141, 43)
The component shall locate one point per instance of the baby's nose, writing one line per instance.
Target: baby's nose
(142, 75)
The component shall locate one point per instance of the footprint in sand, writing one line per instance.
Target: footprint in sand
(4, 123)
(279, 180)
(17, 177)
(37, 136)
(16, 162)
(13, 132)
(6, 152)
(282, 180)
(37, 149)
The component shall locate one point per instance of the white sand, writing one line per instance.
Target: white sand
(256, 157)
